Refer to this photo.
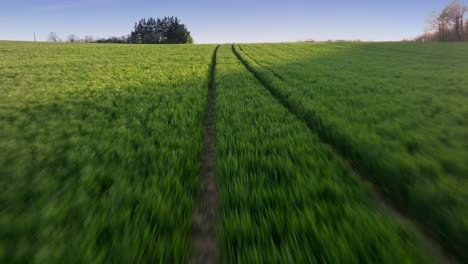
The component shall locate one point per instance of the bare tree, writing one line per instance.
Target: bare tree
(466, 29)
(449, 24)
(88, 39)
(72, 38)
(53, 37)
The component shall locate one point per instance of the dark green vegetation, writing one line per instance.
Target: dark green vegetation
(284, 197)
(398, 111)
(100, 150)
(168, 30)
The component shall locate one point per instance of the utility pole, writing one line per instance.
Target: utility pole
(34, 36)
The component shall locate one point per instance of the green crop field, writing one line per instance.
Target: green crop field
(398, 111)
(102, 149)
(285, 198)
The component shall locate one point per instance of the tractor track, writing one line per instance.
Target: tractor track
(427, 238)
(203, 240)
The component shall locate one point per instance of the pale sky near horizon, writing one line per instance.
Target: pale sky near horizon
(213, 21)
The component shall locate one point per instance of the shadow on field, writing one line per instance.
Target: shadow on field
(107, 174)
(397, 116)
(67, 163)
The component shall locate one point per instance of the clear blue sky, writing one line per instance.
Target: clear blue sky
(221, 21)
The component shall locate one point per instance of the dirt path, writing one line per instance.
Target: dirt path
(427, 239)
(205, 217)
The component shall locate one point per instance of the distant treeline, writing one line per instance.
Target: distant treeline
(168, 30)
(448, 25)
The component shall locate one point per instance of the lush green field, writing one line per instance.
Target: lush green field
(100, 150)
(399, 111)
(284, 196)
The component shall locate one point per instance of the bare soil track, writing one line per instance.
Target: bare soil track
(440, 254)
(206, 214)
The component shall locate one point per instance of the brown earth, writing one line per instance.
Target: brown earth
(206, 214)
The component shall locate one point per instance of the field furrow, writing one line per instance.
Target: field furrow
(204, 243)
(399, 117)
(269, 153)
(284, 196)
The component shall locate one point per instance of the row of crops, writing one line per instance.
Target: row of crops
(398, 111)
(100, 151)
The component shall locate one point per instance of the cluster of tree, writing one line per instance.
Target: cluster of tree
(448, 25)
(168, 30)
(123, 39)
(72, 38)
